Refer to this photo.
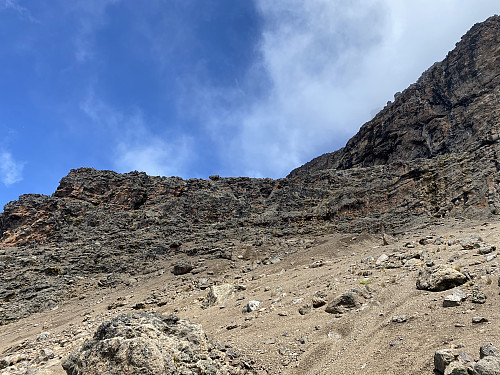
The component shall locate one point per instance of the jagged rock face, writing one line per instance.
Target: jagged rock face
(453, 107)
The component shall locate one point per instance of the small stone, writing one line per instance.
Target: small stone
(488, 349)
(42, 336)
(283, 351)
(305, 309)
(44, 355)
(399, 319)
(381, 259)
(489, 258)
(479, 319)
(275, 260)
(318, 263)
(318, 302)
(486, 249)
(478, 297)
(451, 301)
(473, 242)
(218, 294)
(344, 301)
(334, 336)
(139, 306)
(455, 298)
(396, 342)
(251, 306)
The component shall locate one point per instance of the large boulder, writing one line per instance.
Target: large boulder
(150, 344)
(442, 358)
(182, 267)
(486, 366)
(344, 302)
(217, 295)
(439, 278)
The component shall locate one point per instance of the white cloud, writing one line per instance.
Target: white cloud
(134, 146)
(330, 66)
(91, 15)
(10, 169)
(155, 156)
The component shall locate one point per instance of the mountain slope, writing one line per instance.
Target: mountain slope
(453, 107)
(433, 153)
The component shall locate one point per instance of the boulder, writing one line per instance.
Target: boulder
(149, 344)
(488, 349)
(443, 358)
(486, 366)
(217, 294)
(343, 302)
(456, 368)
(454, 299)
(182, 267)
(439, 278)
(251, 306)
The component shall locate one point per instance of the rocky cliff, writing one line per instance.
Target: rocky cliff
(452, 108)
(432, 153)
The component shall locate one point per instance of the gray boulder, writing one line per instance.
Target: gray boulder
(442, 358)
(488, 349)
(182, 267)
(149, 344)
(217, 295)
(251, 306)
(486, 366)
(345, 301)
(439, 278)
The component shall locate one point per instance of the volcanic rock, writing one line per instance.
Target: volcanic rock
(148, 344)
(439, 278)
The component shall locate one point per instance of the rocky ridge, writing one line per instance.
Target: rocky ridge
(452, 107)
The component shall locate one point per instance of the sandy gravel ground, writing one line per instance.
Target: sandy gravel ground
(366, 339)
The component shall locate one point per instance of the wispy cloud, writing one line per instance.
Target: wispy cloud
(14, 5)
(91, 17)
(309, 55)
(134, 146)
(10, 170)
(328, 67)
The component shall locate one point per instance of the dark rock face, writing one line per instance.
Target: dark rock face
(151, 344)
(434, 152)
(453, 107)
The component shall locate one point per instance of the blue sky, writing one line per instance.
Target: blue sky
(193, 88)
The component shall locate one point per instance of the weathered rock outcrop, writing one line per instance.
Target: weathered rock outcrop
(152, 344)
